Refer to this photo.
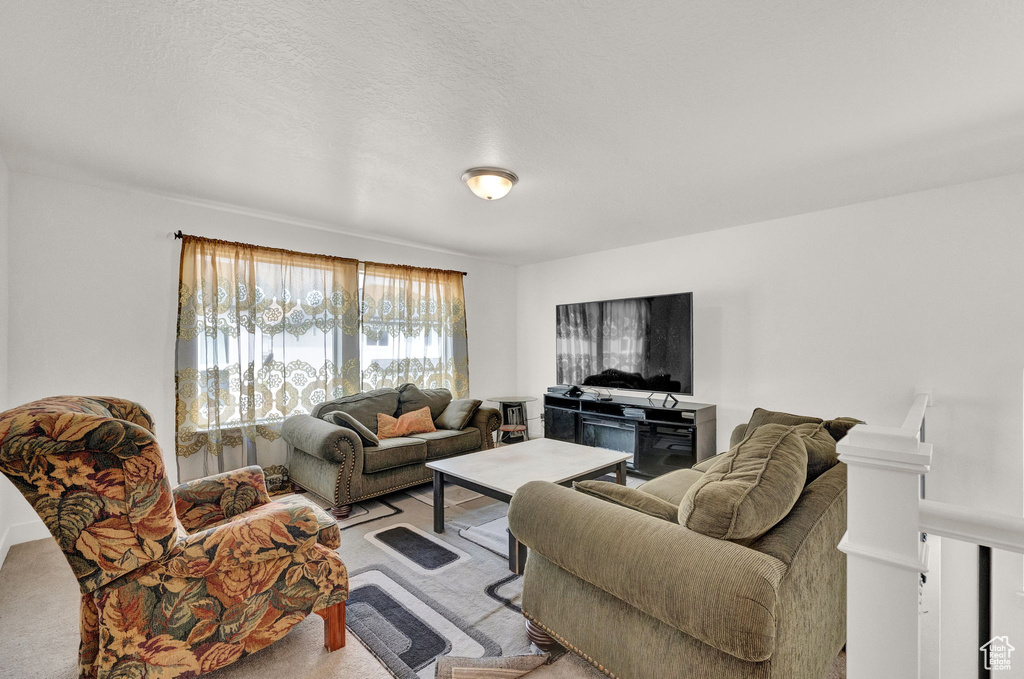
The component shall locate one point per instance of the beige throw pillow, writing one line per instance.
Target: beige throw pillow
(750, 488)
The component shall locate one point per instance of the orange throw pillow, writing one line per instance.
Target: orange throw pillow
(416, 422)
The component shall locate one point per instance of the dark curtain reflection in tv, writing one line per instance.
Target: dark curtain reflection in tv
(600, 337)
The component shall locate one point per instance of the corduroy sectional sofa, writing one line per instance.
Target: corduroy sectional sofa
(728, 570)
(345, 463)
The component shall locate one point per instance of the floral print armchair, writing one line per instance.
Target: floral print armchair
(172, 585)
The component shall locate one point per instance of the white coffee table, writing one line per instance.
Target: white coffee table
(498, 473)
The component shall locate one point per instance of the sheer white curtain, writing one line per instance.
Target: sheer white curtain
(577, 349)
(413, 328)
(596, 336)
(624, 329)
(262, 334)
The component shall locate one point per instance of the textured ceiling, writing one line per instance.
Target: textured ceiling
(626, 121)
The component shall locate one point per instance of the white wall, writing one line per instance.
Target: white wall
(841, 312)
(18, 522)
(4, 179)
(93, 281)
(7, 505)
(845, 312)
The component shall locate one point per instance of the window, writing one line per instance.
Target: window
(264, 334)
(413, 328)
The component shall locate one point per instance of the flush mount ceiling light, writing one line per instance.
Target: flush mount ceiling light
(490, 183)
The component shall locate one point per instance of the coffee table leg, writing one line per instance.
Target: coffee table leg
(516, 554)
(438, 502)
(620, 474)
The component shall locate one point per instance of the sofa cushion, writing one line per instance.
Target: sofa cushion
(840, 426)
(785, 539)
(416, 422)
(837, 427)
(761, 417)
(413, 398)
(672, 487)
(631, 498)
(363, 407)
(751, 488)
(821, 449)
(457, 414)
(446, 442)
(343, 419)
(391, 453)
(705, 465)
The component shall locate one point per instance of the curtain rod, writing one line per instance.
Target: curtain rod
(178, 235)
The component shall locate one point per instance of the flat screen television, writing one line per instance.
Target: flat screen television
(639, 343)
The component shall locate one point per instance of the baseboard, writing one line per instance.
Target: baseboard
(5, 545)
(21, 532)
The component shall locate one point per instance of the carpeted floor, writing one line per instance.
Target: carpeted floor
(39, 629)
(415, 596)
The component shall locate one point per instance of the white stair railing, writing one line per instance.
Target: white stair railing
(991, 529)
(885, 555)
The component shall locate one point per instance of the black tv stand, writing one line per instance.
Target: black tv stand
(661, 438)
(664, 403)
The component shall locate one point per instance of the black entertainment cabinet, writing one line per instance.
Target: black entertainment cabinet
(661, 437)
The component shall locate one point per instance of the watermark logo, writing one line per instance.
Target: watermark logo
(996, 653)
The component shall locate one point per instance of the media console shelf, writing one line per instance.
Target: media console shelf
(661, 437)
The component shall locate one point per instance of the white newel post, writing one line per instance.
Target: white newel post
(885, 555)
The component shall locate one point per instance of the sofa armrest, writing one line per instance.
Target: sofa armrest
(487, 420)
(719, 592)
(705, 465)
(322, 439)
(209, 500)
(738, 432)
(734, 438)
(266, 533)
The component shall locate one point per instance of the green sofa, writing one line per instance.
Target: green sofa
(339, 465)
(643, 597)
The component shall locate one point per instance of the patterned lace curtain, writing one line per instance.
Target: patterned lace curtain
(597, 336)
(413, 325)
(262, 334)
(624, 331)
(577, 351)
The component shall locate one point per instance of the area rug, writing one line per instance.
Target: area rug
(563, 665)
(453, 495)
(492, 535)
(416, 595)
(362, 512)
(511, 667)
